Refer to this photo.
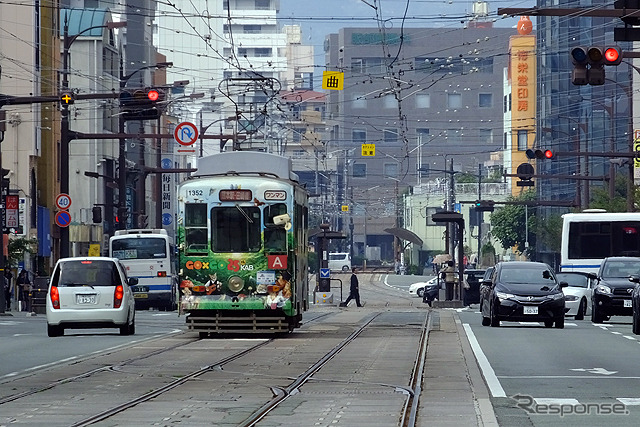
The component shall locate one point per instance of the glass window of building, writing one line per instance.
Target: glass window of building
(389, 101)
(454, 101)
(423, 100)
(359, 170)
(391, 169)
(485, 136)
(359, 136)
(523, 135)
(390, 135)
(485, 100)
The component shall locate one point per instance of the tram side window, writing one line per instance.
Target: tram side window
(235, 229)
(275, 236)
(195, 227)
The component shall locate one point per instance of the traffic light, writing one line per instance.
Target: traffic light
(141, 104)
(5, 181)
(589, 62)
(484, 205)
(324, 285)
(96, 213)
(539, 154)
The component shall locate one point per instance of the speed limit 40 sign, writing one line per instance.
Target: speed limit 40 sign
(63, 201)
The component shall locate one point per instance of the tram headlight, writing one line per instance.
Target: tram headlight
(236, 283)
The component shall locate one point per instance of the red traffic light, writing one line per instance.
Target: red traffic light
(539, 154)
(612, 56)
(153, 95)
(548, 154)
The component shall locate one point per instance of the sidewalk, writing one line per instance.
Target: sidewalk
(454, 392)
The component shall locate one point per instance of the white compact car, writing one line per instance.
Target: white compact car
(577, 295)
(87, 293)
(418, 287)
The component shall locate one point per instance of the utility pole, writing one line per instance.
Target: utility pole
(479, 215)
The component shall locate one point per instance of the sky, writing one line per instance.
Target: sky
(321, 17)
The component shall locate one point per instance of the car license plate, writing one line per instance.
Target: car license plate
(628, 303)
(530, 309)
(140, 296)
(85, 299)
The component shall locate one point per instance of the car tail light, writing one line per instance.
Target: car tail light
(55, 297)
(162, 274)
(117, 296)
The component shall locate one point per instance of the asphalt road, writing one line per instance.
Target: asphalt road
(574, 376)
(26, 346)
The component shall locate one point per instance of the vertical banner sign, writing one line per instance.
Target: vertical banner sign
(636, 159)
(332, 80)
(11, 218)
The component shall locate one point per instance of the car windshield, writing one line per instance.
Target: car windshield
(574, 280)
(620, 269)
(527, 276)
(86, 273)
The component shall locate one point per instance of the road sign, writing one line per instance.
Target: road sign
(325, 273)
(186, 134)
(368, 149)
(63, 201)
(333, 80)
(63, 218)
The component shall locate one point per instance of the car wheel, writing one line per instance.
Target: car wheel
(55, 331)
(636, 323)
(132, 326)
(596, 316)
(560, 323)
(128, 327)
(548, 323)
(485, 320)
(494, 321)
(345, 268)
(582, 309)
(420, 292)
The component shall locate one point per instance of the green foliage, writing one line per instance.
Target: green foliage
(17, 247)
(549, 231)
(312, 257)
(508, 223)
(601, 199)
(465, 178)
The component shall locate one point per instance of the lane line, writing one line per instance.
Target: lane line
(487, 371)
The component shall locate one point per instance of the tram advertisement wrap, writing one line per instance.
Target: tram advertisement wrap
(245, 281)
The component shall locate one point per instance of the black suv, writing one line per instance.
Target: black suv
(612, 291)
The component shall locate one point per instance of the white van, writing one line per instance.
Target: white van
(340, 261)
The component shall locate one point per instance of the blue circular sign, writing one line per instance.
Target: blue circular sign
(166, 163)
(63, 218)
(167, 219)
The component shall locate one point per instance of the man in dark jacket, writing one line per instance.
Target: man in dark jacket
(354, 290)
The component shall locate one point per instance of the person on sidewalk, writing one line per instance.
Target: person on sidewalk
(449, 275)
(24, 289)
(354, 290)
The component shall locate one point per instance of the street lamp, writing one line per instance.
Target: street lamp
(65, 135)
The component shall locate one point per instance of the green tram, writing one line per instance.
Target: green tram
(242, 245)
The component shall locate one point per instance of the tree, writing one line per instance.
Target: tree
(17, 248)
(508, 224)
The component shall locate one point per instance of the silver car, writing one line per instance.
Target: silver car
(87, 293)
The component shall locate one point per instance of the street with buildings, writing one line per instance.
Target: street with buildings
(416, 139)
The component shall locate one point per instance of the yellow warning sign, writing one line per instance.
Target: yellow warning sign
(368, 149)
(345, 208)
(333, 80)
(94, 249)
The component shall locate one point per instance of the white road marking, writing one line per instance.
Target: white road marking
(556, 401)
(629, 401)
(489, 375)
(601, 371)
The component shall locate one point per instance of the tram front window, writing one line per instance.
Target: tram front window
(235, 229)
(195, 226)
(275, 236)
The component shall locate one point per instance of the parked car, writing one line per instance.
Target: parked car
(612, 290)
(523, 291)
(473, 278)
(428, 290)
(339, 261)
(418, 287)
(578, 293)
(90, 292)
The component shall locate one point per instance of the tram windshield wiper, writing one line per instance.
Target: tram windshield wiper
(244, 214)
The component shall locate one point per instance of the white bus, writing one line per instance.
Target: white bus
(150, 256)
(589, 237)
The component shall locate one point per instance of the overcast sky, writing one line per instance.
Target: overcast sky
(321, 17)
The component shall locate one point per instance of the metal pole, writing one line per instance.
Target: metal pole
(159, 177)
(452, 195)
(64, 137)
(479, 215)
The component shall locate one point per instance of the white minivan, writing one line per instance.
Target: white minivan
(340, 261)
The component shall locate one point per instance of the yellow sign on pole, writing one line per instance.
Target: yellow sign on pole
(333, 80)
(345, 208)
(94, 249)
(368, 149)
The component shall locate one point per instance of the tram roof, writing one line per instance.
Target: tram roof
(245, 162)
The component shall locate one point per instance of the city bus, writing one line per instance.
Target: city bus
(150, 256)
(591, 236)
